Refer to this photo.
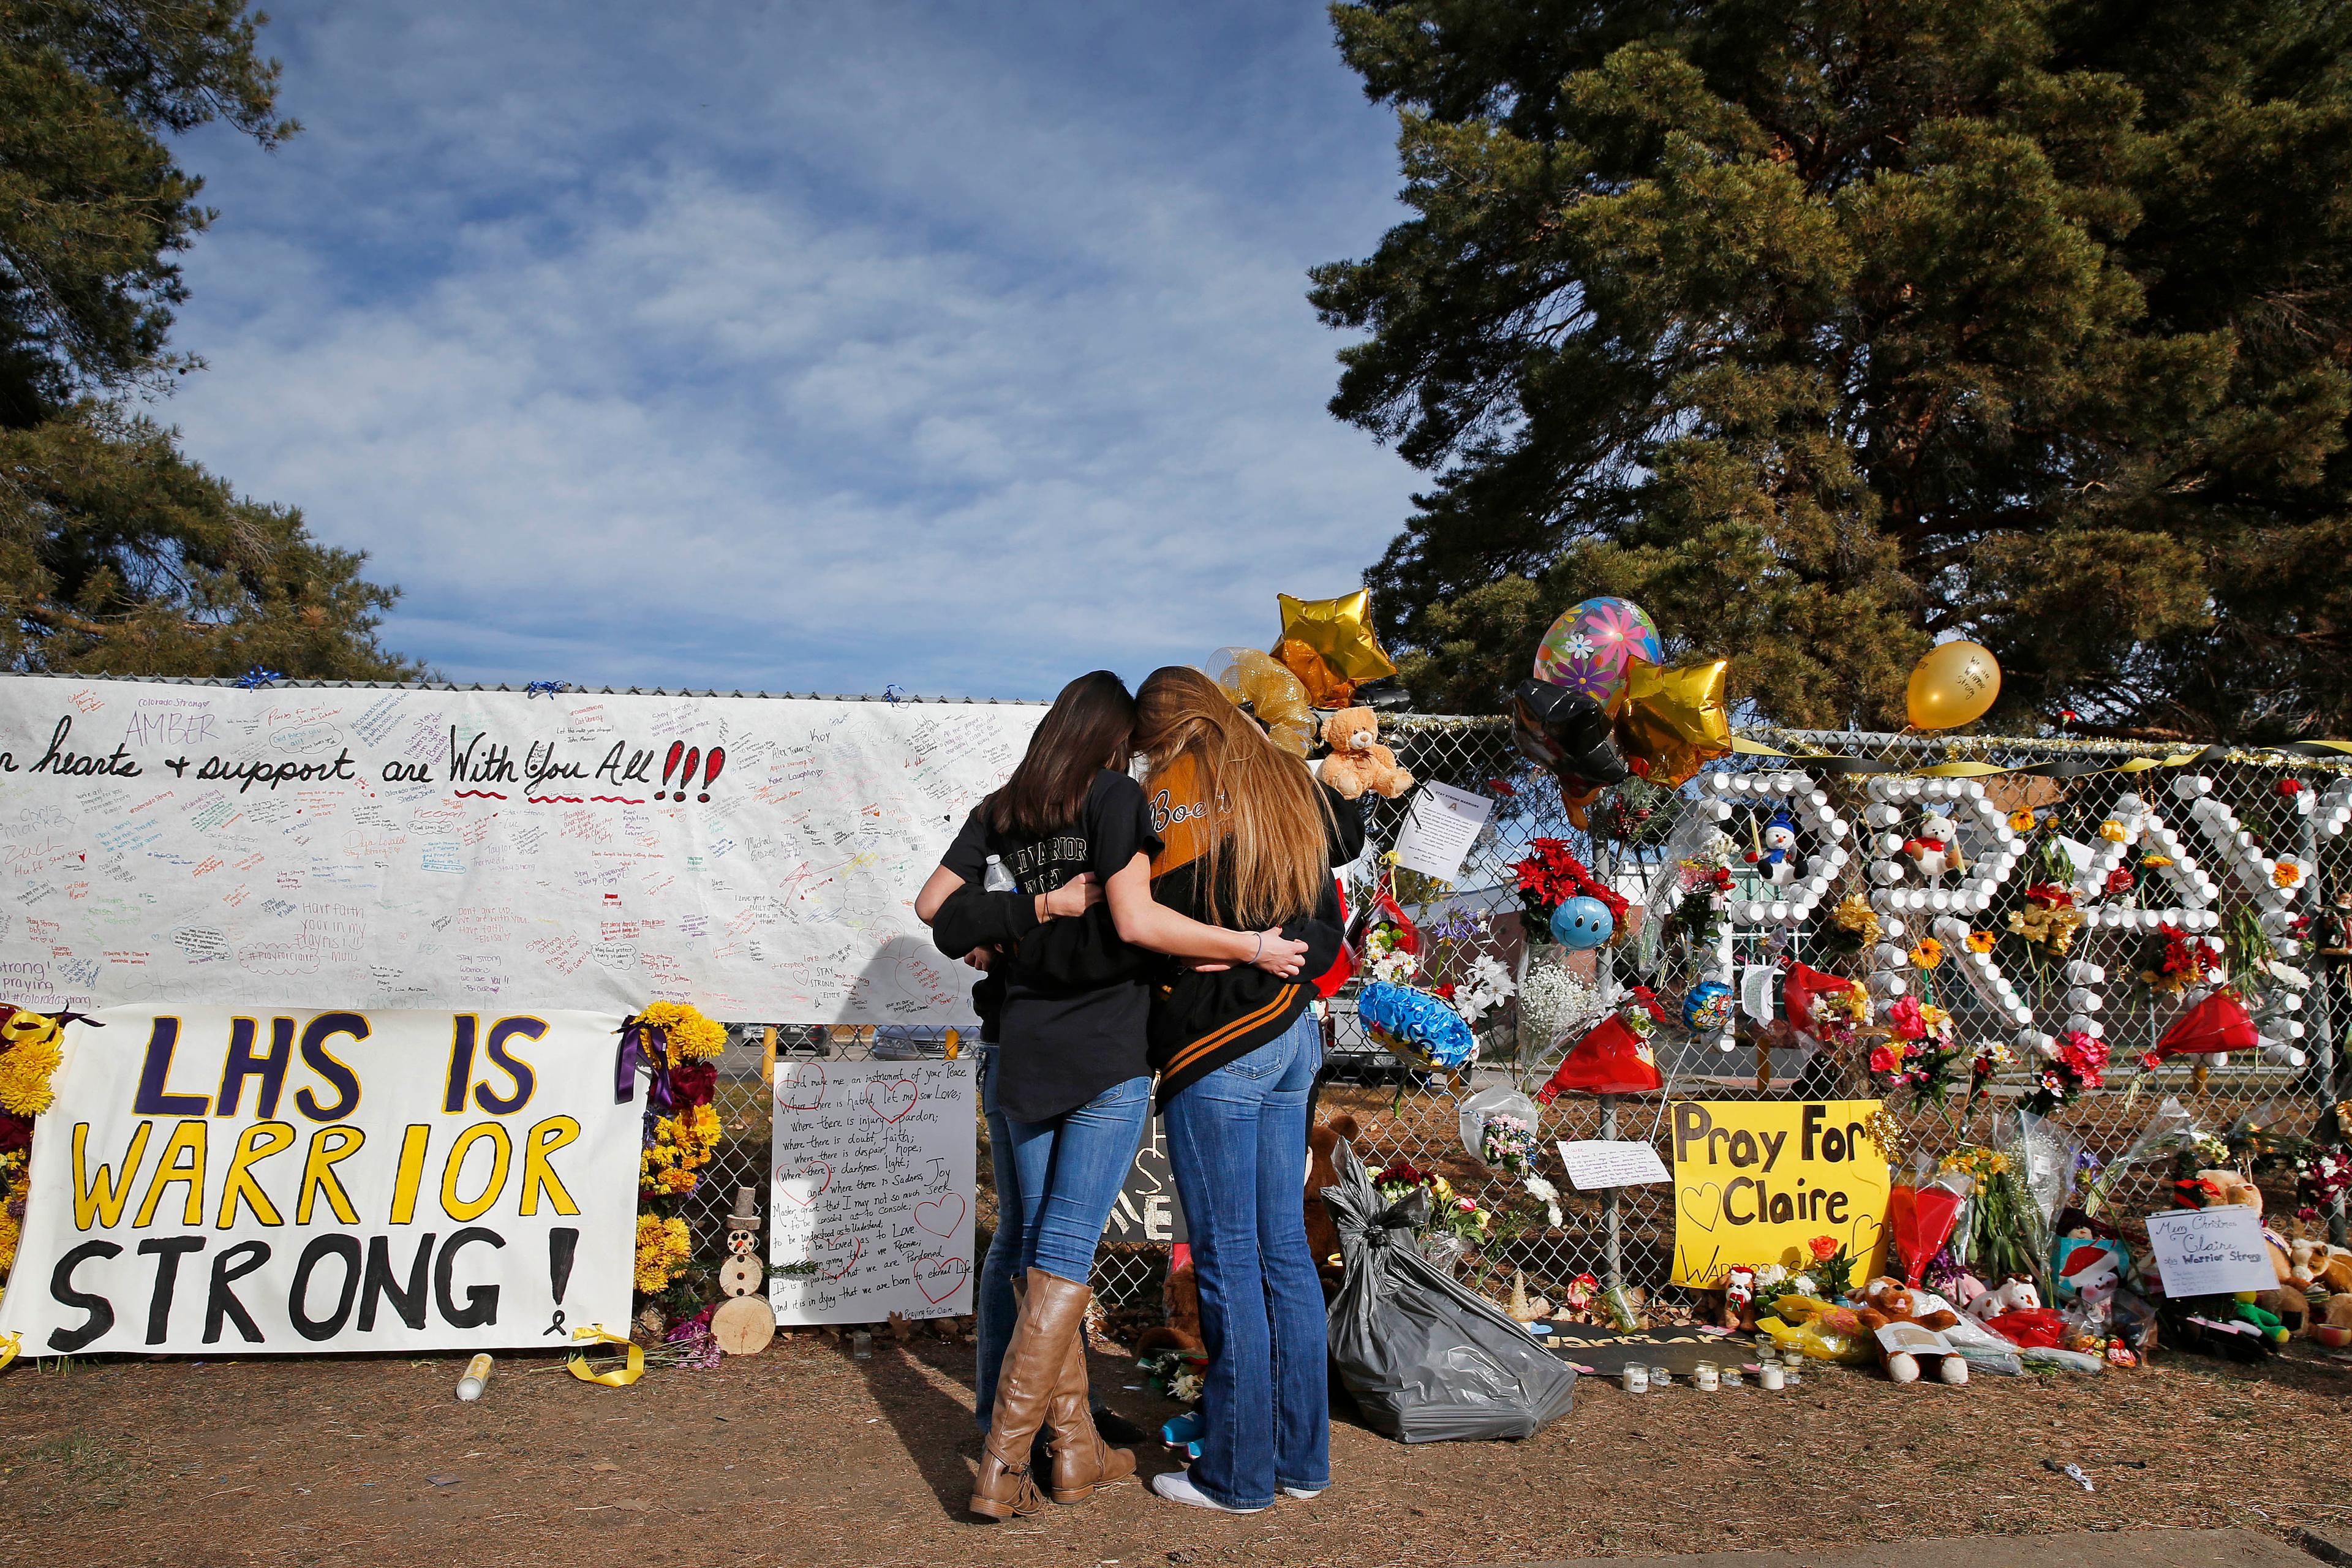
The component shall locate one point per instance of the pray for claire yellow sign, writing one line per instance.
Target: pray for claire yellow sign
(1756, 1180)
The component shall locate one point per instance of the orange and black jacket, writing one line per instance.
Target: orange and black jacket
(1199, 1021)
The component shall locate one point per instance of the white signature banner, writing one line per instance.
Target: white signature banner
(358, 846)
(223, 1179)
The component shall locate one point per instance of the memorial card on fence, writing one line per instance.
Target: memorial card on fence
(870, 1208)
(218, 1180)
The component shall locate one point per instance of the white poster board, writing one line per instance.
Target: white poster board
(872, 1190)
(336, 846)
(2218, 1251)
(213, 1181)
(1439, 830)
(1594, 1164)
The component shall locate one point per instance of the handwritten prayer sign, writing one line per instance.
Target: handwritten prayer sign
(219, 1181)
(872, 1190)
(2218, 1251)
(1757, 1182)
(388, 847)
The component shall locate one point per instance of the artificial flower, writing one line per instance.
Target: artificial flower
(2021, 821)
(1927, 954)
(1823, 1248)
(2119, 881)
(1982, 940)
(2287, 873)
(2148, 861)
(2113, 831)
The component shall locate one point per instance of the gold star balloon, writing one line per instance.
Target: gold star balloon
(1341, 631)
(1672, 723)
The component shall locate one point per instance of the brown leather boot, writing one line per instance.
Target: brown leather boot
(1051, 1312)
(1081, 1459)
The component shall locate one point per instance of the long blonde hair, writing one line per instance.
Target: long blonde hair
(1264, 859)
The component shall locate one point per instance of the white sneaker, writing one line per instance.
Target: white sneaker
(1177, 1487)
(1302, 1494)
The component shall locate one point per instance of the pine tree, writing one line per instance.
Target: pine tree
(118, 554)
(1826, 329)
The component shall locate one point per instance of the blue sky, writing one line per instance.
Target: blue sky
(801, 346)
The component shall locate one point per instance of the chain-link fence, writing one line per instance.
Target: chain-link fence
(2084, 804)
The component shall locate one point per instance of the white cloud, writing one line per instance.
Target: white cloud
(917, 356)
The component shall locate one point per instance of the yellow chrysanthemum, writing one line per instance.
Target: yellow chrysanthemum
(685, 1034)
(2021, 821)
(2113, 831)
(1928, 953)
(662, 1248)
(1981, 941)
(24, 1072)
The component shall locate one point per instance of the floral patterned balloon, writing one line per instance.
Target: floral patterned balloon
(1587, 648)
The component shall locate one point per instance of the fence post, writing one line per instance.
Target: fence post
(2322, 1026)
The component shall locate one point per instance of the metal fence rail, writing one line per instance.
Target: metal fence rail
(1629, 1236)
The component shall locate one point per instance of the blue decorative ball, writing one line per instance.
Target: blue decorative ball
(1707, 1008)
(1581, 923)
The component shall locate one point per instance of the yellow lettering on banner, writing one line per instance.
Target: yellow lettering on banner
(100, 1196)
(412, 1172)
(503, 1151)
(1757, 1180)
(537, 1171)
(259, 1141)
(329, 1145)
(183, 1161)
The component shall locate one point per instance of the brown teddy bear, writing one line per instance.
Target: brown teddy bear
(1322, 1236)
(1885, 1303)
(1357, 760)
(1180, 1299)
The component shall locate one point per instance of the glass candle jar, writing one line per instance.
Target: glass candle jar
(1706, 1376)
(1635, 1378)
(1661, 1379)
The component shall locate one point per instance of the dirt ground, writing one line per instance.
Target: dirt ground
(805, 1456)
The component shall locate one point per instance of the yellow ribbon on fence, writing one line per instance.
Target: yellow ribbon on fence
(614, 1377)
(2061, 768)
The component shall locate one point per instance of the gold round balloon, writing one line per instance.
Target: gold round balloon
(1953, 685)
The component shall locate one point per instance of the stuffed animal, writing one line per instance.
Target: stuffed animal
(1775, 861)
(1322, 1236)
(1936, 849)
(2311, 1262)
(1357, 760)
(2015, 1293)
(1179, 1299)
(2013, 1309)
(1885, 1303)
(1739, 1301)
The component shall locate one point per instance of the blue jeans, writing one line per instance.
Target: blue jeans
(994, 1307)
(1237, 1142)
(1055, 1184)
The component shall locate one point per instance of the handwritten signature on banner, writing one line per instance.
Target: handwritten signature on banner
(341, 847)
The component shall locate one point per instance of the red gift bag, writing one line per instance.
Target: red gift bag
(1919, 1220)
(1609, 1059)
(2219, 1023)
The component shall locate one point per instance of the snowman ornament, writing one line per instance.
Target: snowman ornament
(744, 1322)
(1776, 859)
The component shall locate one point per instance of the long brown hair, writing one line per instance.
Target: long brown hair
(1090, 726)
(1265, 860)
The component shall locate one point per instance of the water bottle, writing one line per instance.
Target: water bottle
(999, 880)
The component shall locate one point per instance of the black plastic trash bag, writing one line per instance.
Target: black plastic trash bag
(1426, 1361)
